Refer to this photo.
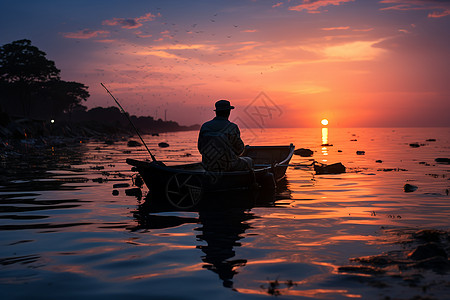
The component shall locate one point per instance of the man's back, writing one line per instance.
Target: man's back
(220, 143)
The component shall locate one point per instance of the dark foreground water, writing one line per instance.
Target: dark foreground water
(63, 235)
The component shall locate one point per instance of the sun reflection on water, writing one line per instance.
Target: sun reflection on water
(324, 142)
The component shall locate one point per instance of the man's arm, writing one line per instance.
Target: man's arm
(236, 141)
(200, 141)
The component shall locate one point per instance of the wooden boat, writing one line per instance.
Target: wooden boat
(189, 186)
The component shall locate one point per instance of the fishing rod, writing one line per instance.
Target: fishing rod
(129, 119)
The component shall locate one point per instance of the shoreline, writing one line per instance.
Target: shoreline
(29, 129)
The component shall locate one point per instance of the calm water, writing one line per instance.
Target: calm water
(64, 235)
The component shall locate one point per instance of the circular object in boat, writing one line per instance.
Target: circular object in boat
(184, 191)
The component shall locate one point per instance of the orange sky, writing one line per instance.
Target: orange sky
(357, 63)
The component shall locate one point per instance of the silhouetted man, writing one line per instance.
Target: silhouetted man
(220, 143)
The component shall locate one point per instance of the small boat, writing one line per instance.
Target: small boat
(190, 186)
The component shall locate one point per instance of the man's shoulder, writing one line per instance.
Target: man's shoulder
(219, 125)
(207, 123)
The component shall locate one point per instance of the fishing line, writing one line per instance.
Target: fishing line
(129, 119)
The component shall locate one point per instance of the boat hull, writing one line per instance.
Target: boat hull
(190, 186)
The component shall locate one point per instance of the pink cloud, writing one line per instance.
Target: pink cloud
(437, 14)
(363, 30)
(86, 34)
(336, 28)
(131, 23)
(440, 8)
(250, 30)
(277, 5)
(143, 34)
(313, 6)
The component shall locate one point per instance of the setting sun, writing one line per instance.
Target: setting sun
(324, 122)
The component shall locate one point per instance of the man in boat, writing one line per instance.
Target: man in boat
(220, 142)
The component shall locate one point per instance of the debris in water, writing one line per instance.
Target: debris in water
(121, 185)
(427, 251)
(360, 152)
(414, 145)
(303, 152)
(97, 168)
(132, 143)
(361, 270)
(409, 188)
(336, 168)
(442, 160)
(115, 192)
(163, 145)
(391, 169)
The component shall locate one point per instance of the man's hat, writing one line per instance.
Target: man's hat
(223, 105)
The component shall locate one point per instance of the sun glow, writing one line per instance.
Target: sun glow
(324, 122)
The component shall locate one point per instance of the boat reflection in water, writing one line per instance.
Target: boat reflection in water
(221, 228)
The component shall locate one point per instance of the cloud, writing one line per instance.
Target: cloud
(439, 8)
(184, 47)
(250, 30)
(363, 30)
(336, 28)
(86, 34)
(313, 6)
(177, 51)
(353, 51)
(437, 14)
(143, 34)
(277, 5)
(131, 23)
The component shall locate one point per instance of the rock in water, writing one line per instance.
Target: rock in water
(120, 185)
(336, 168)
(427, 251)
(303, 152)
(132, 143)
(409, 188)
(442, 160)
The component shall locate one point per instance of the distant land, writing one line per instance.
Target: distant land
(96, 122)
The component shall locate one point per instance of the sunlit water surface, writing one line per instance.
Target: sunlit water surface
(64, 235)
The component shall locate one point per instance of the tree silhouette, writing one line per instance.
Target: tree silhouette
(22, 62)
(30, 84)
